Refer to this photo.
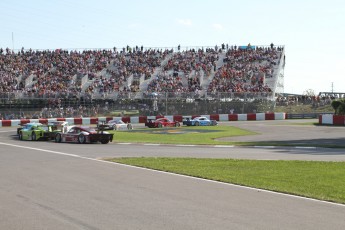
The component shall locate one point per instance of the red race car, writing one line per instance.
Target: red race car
(161, 122)
(83, 135)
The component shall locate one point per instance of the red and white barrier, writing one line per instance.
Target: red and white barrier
(330, 119)
(143, 119)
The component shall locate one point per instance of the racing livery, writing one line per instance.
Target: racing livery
(115, 124)
(83, 135)
(57, 126)
(34, 132)
(161, 122)
(199, 121)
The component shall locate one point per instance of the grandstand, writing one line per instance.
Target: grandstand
(225, 73)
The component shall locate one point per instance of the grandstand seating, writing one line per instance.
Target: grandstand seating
(108, 73)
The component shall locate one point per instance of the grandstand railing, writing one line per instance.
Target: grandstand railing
(133, 95)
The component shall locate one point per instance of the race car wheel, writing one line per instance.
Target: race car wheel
(160, 125)
(20, 136)
(177, 124)
(105, 141)
(197, 123)
(33, 136)
(81, 139)
(213, 123)
(129, 126)
(58, 138)
(114, 127)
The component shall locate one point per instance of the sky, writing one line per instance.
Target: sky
(312, 32)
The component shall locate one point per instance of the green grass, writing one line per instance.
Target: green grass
(319, 180)
(190, 135)
(300, 108)
(124, 113)
(202, 136)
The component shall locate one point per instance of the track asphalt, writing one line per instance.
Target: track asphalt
(291, 132)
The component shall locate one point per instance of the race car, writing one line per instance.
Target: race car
(57, 126)
(22, 125)
(115, 124)
(34, 132)
(20, 128)
(199, 121)
(82, 135)
(161, 122)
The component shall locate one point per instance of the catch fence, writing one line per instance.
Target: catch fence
(129, 105)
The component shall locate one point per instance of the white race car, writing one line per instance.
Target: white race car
(200, 121)
(115, 124)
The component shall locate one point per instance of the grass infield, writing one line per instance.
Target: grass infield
(181, 135)
(319, 180)
(206, 135)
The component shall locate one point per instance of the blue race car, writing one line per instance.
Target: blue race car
(199, 121)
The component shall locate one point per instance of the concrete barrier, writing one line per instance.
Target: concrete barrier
(143, 119)
(331, 119)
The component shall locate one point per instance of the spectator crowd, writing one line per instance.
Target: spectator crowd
(245, 70)
(63, 74)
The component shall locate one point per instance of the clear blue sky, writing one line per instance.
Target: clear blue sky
(313, 32)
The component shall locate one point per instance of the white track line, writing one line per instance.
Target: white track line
(304, 147)
(175, 174)
(264, 147)
(224, 146)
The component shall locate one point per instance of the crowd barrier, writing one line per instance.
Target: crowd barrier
(143, 119)
(330, 119)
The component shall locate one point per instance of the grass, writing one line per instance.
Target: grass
(319, 180)
(124, 113)
(181, 135)
(301, 108)
(202, 136)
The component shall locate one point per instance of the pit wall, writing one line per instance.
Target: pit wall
(143, 119)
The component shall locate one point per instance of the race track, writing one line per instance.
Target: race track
(65, 186)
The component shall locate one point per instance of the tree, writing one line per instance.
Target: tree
(309, 92)
(339, 107)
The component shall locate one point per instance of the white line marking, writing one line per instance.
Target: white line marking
(175, 174)
(152, 144)
(42, 150)
(264, 147)
(224, 146)
(185, 145)
(123, 143)
(305, 147)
